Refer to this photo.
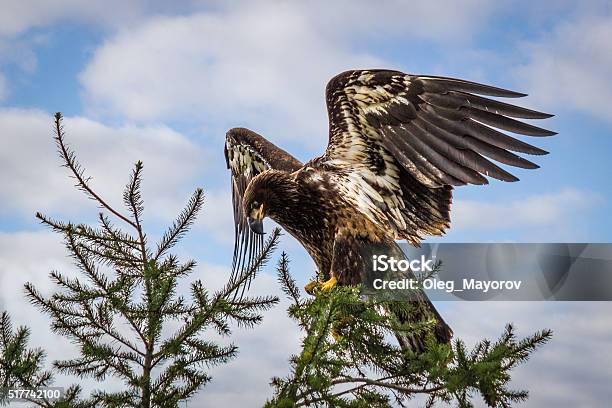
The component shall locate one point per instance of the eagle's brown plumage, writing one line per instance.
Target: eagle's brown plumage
(398, 143)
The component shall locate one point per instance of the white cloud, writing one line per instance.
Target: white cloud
(218, 215)
(263, 351)
(29, 257)
(449, 21)
(530, 211)
(26, 24)
(33, 180)
(259, 63)
(571, 370)
(270, 64)
(20, 17)
(569, 68)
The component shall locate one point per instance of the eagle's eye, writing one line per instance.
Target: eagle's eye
(254, 205)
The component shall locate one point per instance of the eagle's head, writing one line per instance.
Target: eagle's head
(267, 195)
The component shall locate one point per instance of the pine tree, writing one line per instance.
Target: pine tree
(349, 357)
(23, 368)
(125, 282)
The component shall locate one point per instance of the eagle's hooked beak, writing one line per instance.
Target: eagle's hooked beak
(256, 220)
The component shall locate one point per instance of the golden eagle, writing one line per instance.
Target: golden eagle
(398, 144)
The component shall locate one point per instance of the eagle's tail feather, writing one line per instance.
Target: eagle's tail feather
(421, 311)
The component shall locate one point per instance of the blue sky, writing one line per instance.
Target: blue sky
(163, 82)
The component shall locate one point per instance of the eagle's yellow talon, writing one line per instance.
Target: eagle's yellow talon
(329, 285)
(310, 286)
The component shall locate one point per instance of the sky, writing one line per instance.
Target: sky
(162, 82)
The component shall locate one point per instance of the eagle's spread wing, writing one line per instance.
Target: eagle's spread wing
(247, 154)
(400, 142)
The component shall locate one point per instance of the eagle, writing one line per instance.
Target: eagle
(398, 145)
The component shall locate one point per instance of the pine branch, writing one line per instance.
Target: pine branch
(115, 235)
(78, 172)
(21, 367)
(181, 225)
(132, 198)
(346, 343)
(287, 282)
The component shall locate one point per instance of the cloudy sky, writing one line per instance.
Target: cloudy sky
(162, 82)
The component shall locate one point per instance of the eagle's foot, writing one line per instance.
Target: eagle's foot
(317, 286)
(329, 285)
(311, 286)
